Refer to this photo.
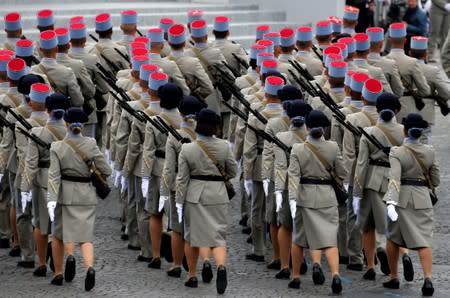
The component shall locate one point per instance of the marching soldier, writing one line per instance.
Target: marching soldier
(440, 25)
(304, 44)
(165, 24)
(350, 19)
(193, 15)
(13, 29)
(128, 25)
(323, 34)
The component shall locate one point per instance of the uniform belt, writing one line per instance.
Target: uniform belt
(207, 177)
(259, 150)
(160, 154)
(44, 164)
(407, 93)
(380, 163)
(76, 179)
(315, 181)
(414, 182)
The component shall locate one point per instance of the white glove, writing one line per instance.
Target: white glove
(179, 207)
(107, 155)
(447, 7)
(117, 179)
(162, 201)
(248, 185)
(51, 210)
(392, 214)
(293, 207)
(427, 5)
(144, 187)
(266, 186)
(278, 200)
(346, 187)
(124, 182)
(231, 146)
(26, 197)
(356, 204)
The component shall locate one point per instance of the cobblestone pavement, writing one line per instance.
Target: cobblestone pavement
(119, 275)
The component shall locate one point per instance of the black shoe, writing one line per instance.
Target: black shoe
(370, 274)
(131, 247)
(384, 265)
(247, 230)
(355, 267)
(141, 258)
(392, 284)
(244, 220)
(174, 272)
(250, 240)
(124, 237)
(89, 282)
(274, 265)
(408, 269)
(283, 274)
(40, 271)
(445, 110)
(294, 284)
(343, 260)
(166, 247)
(207, 273)
(427, 289)
(15, 251)
(255, 258)
(4, 243)
(303, 267)
(221, 281)
(50, 256)
(26, 264)
(57, 280)
(69, 271)
(336, 284)
(192, 282)
(317, 276)
(155, 263)
(185, 264)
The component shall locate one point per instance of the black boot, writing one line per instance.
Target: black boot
(221, 281)
(69, 272)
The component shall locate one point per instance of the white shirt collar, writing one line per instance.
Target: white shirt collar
(12, 41)
(359, 61)
(12, 90)
(201, 45)
(348, 30)
(356, 103)
(421, 61)
(305, 54)
(61, 56)
(177, 53)
(77, 50)
(273, 106)
(410, 140)
(221, 41)
(127, 37)
(47, 60)
(347, 100)
(337, 90)
(397, 52)
(369, 108)
(374, 55)
(104, 40)
(154, 56)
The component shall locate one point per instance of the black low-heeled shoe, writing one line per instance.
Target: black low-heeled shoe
(408, 269)
(384, 265)
(89, 282)
(15, 251)
(174, 272)
(427, 288)
(283, 274)
(274, 265)
(294, 284)
(336, 284)
(40, 271)
(207, 274)
(155, 263)
(221, 281)
(70, 269)
(57, 280)
(141, 258)
(192, 282)
(303, 267)
(392, 284)
(370, 274)
(317, 276)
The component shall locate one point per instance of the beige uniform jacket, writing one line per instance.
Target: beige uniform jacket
(304, 163)
(171, 69)
(229, 48)
(313, 65)
(273, 127)
(105, 47)
(194, 161)
(337, 130)
(390, 71)
(374, 72)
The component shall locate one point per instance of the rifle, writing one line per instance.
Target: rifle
(304, 72)
(106, 72)
(240, 61)
(125, 106)
(233, 71)
(231, 86)
(156, 124)
(261, 133)
(124, 56)
(317, 52)
(18, 117)
(139, 32)
(418, 101)
(109, 62)
(303, 84)
(173, 131)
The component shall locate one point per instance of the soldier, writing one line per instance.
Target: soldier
(360, 60)
(189, 108)
(72, 199)
(440, 91)
(351, 48)
(350, 19)
(35, 174)
(440, 20)
(24, 50)
(153, 155)
(275, 38)
(409, 69)
(45, 21)
(81, 74)
(313, 202)
(193, 15)
(128, 25)
(201, 196)
(260, 31)
(304, 55)
(389, 67)
(336, 24)
(135, 208)
(165, 24)
(13, 29)
(61, 78)
(156, 36)
(409, 207)
(252, 156)
(323, 34)
(286, 49)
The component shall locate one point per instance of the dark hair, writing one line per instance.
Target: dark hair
(46, 28)
(206, 129)
(339, 36)
(387, 115)
(415, 132)
(104, 34)
(28, 60)
(316, 133)
(220, 34)
(418, 54)
(63, 48)
(177, 46)
(58, 114)
(76, 130)
(323, 38)
(303, 44)
(297, 123)
(362, 52)
(75, 42)
(288, 49)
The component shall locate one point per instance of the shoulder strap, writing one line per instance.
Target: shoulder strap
(134, 94)
(298, 135)
(168, 120)
(325, 164)
(189, 132)
(286, 120)
(214, 161)
(22, 112)
(249, 80)
(372, 121)
(388, 135)
(50, 80)
(424, 169)
(200, 57)
(53, 132)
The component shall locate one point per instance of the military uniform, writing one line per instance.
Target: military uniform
(390, 71)
(170, 68)
(313, 65)
(440, 20)
(374, 72)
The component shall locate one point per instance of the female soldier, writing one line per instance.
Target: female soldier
(189, 107)
(409, 205)
(202, 194)
(316, 220)
(72, 197)
(35, 176)
(296, 110)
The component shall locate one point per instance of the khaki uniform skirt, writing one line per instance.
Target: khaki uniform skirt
(413, 228)
(153, 196)
(284, 215)
(74, 223)
(372, 214)
(205, 225)
(271, 214)
(316, 228)
(174, 224)
(40, 211)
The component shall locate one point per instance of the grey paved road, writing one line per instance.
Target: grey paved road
(119, 275)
